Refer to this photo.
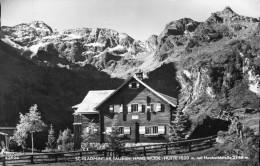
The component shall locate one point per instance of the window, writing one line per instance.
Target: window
(121, 130)
(134, 107)
(156, 107)
(116, 108)
(151, 130)
(134, 85)
(152, 105)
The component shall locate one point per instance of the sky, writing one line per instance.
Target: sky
(138, 18)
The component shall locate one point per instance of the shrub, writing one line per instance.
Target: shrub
(90, 132)
(114, 137)
(179, 127)
(65, 140)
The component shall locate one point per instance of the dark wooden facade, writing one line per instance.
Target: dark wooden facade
(138, 121)
(142, 114)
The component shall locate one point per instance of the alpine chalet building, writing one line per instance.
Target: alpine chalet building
(141, 113)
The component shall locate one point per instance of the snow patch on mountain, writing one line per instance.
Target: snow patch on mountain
(35, 48)
(72, 37)
(94, 45)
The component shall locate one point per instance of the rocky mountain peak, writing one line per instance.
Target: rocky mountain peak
(228, 11)
(27, 34)
(182, 24)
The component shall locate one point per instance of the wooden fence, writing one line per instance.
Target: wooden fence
(178, 147)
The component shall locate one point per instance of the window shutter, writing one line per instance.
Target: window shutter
(158, 107)
(129, 108)
(139, 107)
(121, 108)
(161, 129)
(130, 85)
(109, 130)
(117, 108)
(143, 108)
(142, 130)
(127, 130)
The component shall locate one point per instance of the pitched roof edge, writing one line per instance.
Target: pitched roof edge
(155, 92)
(77, 105)
(113, 92)
(170, 97)
(144, 84)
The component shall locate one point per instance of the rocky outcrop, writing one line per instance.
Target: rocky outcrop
(175, 33)
(151, 43)
(195, 83)
(28, 34)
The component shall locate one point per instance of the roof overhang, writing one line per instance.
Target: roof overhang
(85, 112)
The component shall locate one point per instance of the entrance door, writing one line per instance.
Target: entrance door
(137, 139)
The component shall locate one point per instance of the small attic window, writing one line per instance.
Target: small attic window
(134, 85)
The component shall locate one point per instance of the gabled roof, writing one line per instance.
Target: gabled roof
(92, 99)
(170, 100)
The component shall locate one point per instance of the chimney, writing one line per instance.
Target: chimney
(139, 75)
